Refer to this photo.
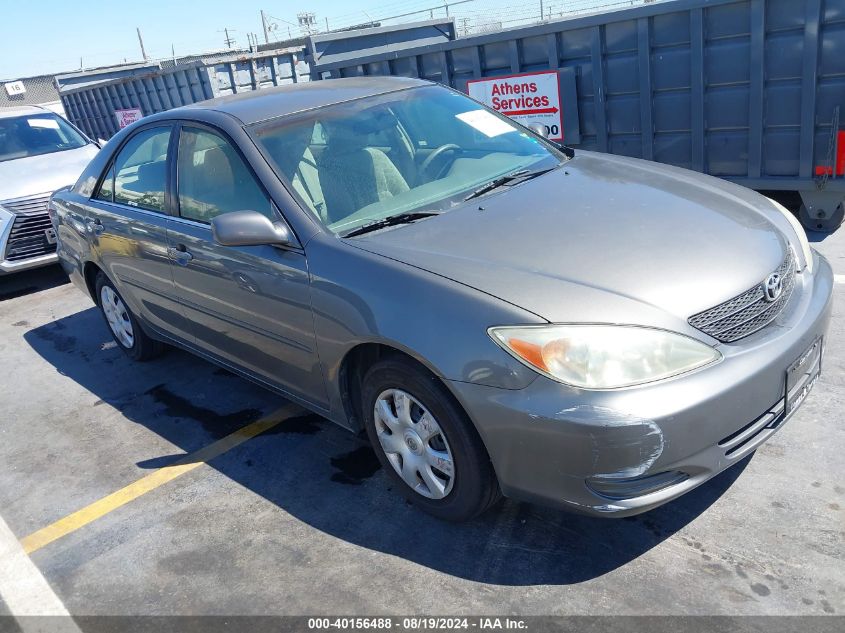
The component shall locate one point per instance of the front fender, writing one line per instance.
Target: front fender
(360, 297)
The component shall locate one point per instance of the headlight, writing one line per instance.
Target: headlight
(800, 235)
(603, 356)
(5, 217)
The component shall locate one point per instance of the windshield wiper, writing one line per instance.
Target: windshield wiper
(507, 179)
(391, 220)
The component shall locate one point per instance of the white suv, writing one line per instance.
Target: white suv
(39, 153)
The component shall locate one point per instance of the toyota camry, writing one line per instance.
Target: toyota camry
(500, 314)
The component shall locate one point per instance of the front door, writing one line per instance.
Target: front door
(249, 306)
(127, 226)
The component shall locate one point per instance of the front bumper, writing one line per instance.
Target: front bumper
(7, 267)
(557, 445)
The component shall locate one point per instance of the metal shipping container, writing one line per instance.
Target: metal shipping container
(92, 107)
(748, 90)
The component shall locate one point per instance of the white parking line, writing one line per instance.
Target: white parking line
(839, 279)
(24, 589)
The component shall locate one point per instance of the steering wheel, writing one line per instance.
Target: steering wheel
(437, 153)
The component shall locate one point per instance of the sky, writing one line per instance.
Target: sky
(52, 36)
(48, 36)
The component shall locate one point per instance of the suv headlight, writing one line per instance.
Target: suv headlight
(603, 356)
(800, 235)
(5, 217)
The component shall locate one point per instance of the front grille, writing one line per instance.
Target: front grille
(36, 204)
(28, 236)
(748, 312)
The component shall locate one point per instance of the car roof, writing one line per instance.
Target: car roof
(6, 113)
(268, 103)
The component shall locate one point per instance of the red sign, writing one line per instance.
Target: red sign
(527, 97)
(128, 116)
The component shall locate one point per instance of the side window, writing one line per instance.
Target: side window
(213, 179)
(141, 170)
(106, 190)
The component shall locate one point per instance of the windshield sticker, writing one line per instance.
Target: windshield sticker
(488, 124)
(50, 124)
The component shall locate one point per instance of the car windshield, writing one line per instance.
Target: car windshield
(36, 134)
(421, 149)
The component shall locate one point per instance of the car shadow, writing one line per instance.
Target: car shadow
(27, 282)
(330, 479)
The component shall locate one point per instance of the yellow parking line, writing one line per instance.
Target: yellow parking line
(86, 515)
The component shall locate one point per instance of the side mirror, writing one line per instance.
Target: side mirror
(249, 228)
(539, 129)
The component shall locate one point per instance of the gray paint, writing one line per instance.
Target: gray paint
(250, 228)
(287, 318)
(654, 256)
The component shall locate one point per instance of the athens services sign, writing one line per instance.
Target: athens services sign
(527, 97)
(128, 116)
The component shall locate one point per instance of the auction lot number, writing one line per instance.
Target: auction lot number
(415, 623)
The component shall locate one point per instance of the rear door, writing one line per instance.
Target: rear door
(249, 306)
(127, 223)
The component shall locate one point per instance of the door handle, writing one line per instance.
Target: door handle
(181, 254)
(96, 227)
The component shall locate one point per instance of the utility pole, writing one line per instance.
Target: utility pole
(264, 27)
(141, 42)
(541, 10)
(229, 41)
(327, 25)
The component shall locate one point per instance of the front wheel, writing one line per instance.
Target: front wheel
(426, 443)
(124, 326)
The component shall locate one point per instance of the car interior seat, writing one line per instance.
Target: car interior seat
(354, 176)
(297, 162)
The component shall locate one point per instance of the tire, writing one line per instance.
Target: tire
(472, 487)
(131, 338)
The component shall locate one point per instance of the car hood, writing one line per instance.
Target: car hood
(35, 175)
(601, 239)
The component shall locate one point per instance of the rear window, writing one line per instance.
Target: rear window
(36, 134)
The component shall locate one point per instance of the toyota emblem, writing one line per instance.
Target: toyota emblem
(773, 287)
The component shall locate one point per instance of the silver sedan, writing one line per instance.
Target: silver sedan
(502, 315)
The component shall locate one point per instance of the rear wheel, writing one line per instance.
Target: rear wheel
(124, 326)
(426, 443)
